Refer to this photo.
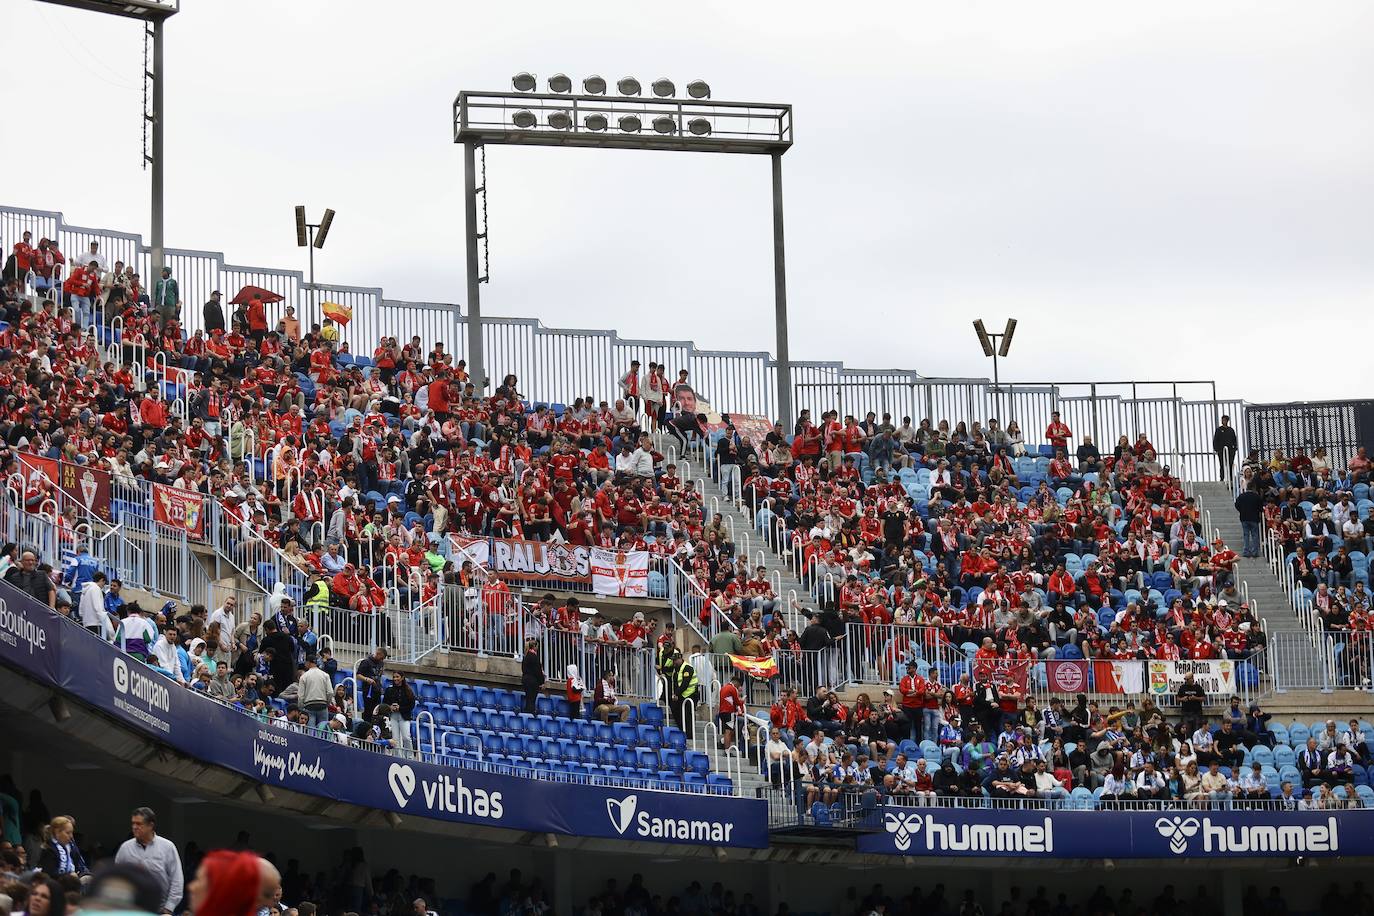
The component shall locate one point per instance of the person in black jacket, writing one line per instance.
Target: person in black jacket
(1250, 508)
(1224, 443)
(60, 855)
(531, 674)
(398, 702)
(214, 313)
(283, 649)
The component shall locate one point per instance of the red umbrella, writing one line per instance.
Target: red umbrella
(249, 293)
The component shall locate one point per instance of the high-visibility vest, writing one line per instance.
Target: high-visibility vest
(687, 682)
(320, 598)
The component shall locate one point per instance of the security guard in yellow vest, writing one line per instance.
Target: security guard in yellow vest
(682, 687)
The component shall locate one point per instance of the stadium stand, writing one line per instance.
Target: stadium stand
(856, 620)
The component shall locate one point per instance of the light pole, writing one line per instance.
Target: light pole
(626, 120)
(312, 235)
(154, 15)
(990, 348)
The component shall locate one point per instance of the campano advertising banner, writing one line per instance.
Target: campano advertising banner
(65, 656)
(1214, 676)
(1178, 834)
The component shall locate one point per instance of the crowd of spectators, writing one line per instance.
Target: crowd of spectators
(824, 750)
(1322, 521)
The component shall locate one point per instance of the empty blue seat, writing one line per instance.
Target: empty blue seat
(649, 737)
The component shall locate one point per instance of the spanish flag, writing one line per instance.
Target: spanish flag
(756, 667)
(342, 314)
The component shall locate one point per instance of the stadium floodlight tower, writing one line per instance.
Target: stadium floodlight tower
(655, 117)
(991, 348)
(154, 15)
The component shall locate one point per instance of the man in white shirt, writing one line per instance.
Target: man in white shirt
(156, 855)
(642, 460)
(1251, 787)
(92, 607)
(1203, 745)
(1046, 786)
(1150, 784)
(165, 653)
(224, 616)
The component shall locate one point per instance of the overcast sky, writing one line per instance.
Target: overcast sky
(1157, 191)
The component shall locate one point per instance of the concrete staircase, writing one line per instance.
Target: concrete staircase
(748, 780)
(1263, 586)
(779, 567)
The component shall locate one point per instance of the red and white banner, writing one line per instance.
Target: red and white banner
(1067, 677)
(178, 508)
(88, 485)
(620, 573)
(476, 551)
(1118, 676)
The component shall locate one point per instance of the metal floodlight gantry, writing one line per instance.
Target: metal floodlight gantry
(629, 118)
(312, 235)
(989, 343)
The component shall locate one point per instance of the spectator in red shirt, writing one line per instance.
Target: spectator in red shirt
(730, 706)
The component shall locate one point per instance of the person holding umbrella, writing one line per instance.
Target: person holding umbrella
(252, 314)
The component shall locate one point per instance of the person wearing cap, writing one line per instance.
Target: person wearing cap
(213, 313)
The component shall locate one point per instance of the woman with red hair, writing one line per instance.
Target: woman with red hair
(226, 884)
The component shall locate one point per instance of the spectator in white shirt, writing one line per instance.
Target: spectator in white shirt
(1150, 784)
(1203, 745)
(1046, 786)
(1251, 786)
(165, 653)
(92, 607)
(156, 855)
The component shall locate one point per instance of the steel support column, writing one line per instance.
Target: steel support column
(780, 300)
(476, 368)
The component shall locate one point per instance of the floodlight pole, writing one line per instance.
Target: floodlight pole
(996, 383)
(476, 367)
(780, 298)
(155, 230)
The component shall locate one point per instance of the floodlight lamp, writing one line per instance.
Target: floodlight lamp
(700, 127)
(560, 82)
(560, 120)
(594, 85)
(524, 82)
(665, 125)
(596, 122)
(1006, 337)
(630, 124)
(698, 89)
(323, 231)
(524, 119)
(663, 88)
(628, 86)
(983, 340)
(301, 240)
